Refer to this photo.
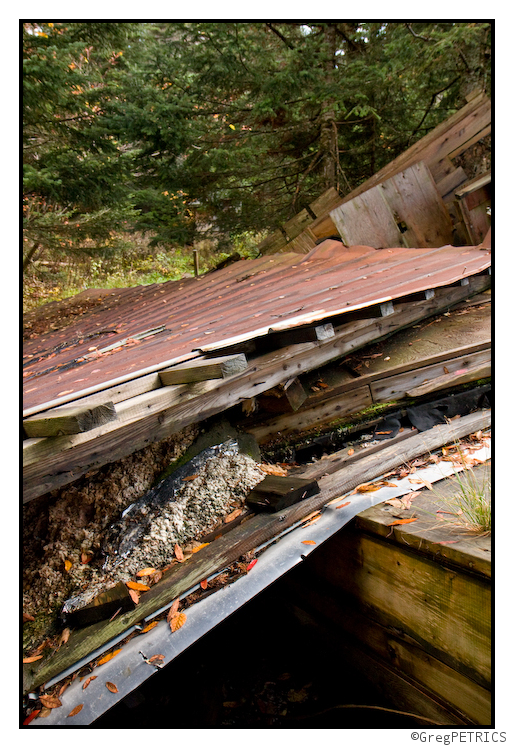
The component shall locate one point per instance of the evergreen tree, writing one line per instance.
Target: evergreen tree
(76, 174)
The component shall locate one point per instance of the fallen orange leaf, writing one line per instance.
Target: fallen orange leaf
(88, 681)
(199, 547)
(108, 657)
(111, 686)
(51, 702)
(64, 637)
(68, 564)
(402, 521)
(137, 586)
(146, 572)
(366, 488)
(31, 716)
(76, 710)
(190, 477)
(149, 627)
(251, 564)
(156, 658)
(173, 610)
(203, 584)
(178, 552)
(309, 542)
(178, 621)
(342, 505)
(26, 660)
(351, 452)
(232, 515)
(135, 596)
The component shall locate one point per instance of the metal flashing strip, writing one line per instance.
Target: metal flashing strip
(130, 667)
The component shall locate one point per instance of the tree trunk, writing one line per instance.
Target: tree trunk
(328, 134)
(30, 254)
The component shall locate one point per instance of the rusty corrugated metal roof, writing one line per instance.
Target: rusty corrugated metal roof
(242, 301)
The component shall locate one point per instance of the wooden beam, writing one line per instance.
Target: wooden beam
(420, 380)
(72, 419)
(281, 338)
(294, 392)
(203, 368)
(453, 379)
(242, 539)
(277, 492)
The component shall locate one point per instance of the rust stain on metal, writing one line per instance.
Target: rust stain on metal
(134, 329)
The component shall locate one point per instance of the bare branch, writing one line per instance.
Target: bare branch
(280, 36)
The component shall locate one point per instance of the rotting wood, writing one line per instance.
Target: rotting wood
(394, 387)
(272, 369)
(245, 538)
(128, 412)
(352, 396)
(467, 551)
(201, 369)
(473, 184)
(453, 379)
(277, 492)
(294, 392)
(69, 420)
(415, 202)
(325, 411)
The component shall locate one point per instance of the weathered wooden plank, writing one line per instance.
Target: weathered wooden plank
(446, 612)
(310, 333)
(447, 185)
(294, 392)
(397, 386)
(303, 243)
(275, 242)
(116, 390)
(440, 358)
(127, 412)
(242, 539)
(479, 135)
(367, 220)
(416, 205)
(325, 202)
(276, 492)
(469, 552)
(200, 401)
(396, 651)
(453, 379)
(71, 419)
(203, 368)
(296, 225)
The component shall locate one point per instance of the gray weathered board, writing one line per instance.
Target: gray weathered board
(201, 369)
(70, 419)
(404, 211)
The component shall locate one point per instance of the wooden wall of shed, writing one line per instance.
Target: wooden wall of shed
(421, 629)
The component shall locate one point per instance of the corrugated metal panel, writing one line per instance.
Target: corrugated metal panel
(243, 300)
